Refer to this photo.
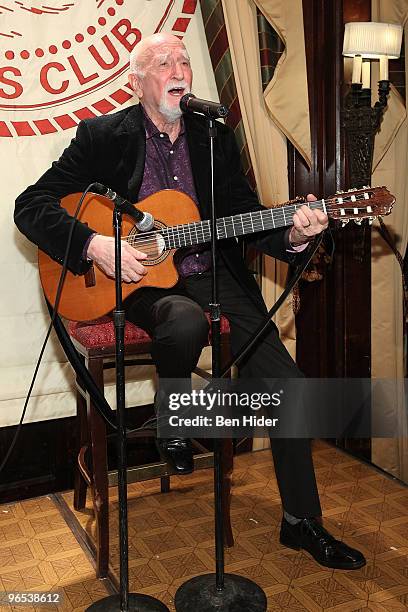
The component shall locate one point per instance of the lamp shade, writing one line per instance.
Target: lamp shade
(371, 39)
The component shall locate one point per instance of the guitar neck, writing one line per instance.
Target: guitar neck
(189, 234)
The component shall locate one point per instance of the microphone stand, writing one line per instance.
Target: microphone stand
(219, 592)
(125, 601)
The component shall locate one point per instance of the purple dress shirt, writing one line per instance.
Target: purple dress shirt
(167, 166)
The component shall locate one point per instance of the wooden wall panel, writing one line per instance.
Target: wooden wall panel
(334, 322)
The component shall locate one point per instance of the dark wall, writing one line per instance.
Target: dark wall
(42, 460)
(45, 456)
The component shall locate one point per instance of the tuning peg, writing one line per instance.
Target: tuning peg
(357, 221)
(344, 222)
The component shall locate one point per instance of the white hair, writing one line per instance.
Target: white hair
(138, 57)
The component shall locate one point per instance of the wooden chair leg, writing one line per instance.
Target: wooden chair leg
(227, 465)
(80, 486)
(100, 495)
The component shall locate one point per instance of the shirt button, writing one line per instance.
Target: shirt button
(197, 255)
(161, 135)
(171, 152)
(175, 178)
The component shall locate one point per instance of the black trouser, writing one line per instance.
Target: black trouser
(179, 329)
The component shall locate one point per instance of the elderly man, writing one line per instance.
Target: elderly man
(149, 147)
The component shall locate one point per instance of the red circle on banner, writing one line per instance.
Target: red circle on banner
(74, 67)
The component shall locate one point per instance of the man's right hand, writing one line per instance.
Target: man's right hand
(101, 250)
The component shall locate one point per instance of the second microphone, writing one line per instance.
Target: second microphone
(144, 220)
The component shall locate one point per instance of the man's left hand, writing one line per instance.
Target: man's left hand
(307, 223)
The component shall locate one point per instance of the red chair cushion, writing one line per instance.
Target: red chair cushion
(100, 333)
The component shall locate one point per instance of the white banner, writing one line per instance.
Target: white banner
(62, 61)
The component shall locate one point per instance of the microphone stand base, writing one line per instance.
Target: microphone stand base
(137, 602)
(239, 594)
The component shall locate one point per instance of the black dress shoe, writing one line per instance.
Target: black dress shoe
(324, 548)
(178, 453)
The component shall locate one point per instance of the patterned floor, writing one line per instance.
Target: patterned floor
(171, 539)
(38, 552)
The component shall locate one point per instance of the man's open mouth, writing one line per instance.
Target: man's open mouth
(176, 91)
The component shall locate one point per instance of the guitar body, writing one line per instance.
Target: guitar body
(92, 295)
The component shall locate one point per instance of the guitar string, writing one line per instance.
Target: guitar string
(247, 221)
(173, 242)
(183, 232)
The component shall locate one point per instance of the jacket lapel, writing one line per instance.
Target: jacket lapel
(133, 153)
(199, 149)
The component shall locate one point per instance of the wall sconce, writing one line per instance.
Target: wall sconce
(366, 41)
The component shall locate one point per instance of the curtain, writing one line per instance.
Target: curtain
(289, 112)
(266, 123)
(387, 351)
(217, 40)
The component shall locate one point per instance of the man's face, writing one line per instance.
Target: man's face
(167, 77)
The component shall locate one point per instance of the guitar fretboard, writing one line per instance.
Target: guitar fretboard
(199, 232)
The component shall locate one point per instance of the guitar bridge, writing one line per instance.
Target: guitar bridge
(90, 280)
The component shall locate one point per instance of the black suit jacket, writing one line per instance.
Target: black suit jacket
(111, 150)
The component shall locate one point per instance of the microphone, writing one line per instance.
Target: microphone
(144, 220)
(190, 104)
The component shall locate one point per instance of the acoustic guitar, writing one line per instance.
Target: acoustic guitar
(178, 224)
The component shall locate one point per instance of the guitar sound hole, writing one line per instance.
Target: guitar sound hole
(152, 245)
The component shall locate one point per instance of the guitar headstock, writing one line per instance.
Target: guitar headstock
(359, 204)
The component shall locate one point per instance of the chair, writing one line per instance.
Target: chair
(95, 342)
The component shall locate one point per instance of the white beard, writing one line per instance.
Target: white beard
(172, 113)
